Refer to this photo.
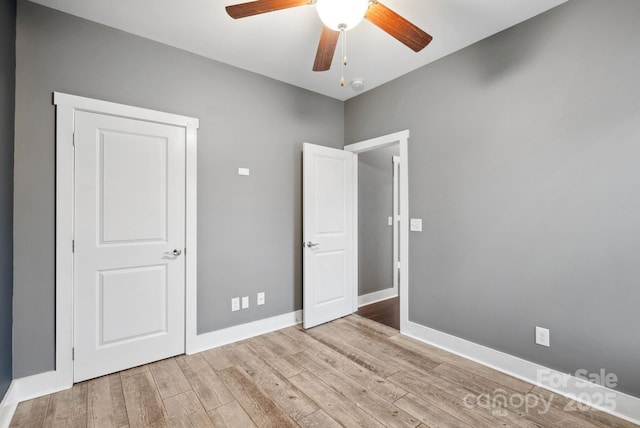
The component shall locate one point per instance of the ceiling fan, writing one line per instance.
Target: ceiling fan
(339, 16)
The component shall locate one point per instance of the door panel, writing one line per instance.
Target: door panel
(331, 266)
(122, 293)
(330, 195)
(132, 187)
(329, 258)
(129, 286)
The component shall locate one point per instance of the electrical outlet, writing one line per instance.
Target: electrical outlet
(245, 302)
(390, 221)
(415, 225)
(542, 336)
(261, 298)
(235, 304)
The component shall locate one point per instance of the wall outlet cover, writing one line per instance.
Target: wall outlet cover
(245, 302)
(235, 304)
(415, 224)
(260, 299)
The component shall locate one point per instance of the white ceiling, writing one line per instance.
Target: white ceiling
(282, 44)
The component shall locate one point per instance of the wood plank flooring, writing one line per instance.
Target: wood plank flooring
(351, 372)
(386, 312)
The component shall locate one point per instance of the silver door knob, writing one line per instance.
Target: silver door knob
(176, 252)
(312, 244)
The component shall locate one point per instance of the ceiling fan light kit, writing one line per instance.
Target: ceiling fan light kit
(339, 16)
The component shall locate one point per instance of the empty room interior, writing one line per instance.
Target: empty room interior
(233, 215)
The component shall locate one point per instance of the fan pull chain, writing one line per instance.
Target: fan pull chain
(344, 54)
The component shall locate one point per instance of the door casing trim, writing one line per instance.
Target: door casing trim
(66, 107)
(401, 138)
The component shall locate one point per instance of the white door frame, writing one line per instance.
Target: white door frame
(66, 107)
(396, 223)
(402, 138)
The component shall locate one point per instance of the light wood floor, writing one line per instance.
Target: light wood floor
(351, 372)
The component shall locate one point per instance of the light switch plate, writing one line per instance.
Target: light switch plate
(235, 304)
(260, 298)
(542, 336)
(244, 171)
(245, 302)
(415, 225)
(390, 221)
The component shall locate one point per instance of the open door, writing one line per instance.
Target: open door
(328, 234)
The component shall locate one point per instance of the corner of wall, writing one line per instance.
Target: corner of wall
(7, 115)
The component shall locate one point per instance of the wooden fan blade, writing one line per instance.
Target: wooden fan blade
(397, 27)
(326, 49)
(251, 8)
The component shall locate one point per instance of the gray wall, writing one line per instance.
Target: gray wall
(249, 228)
(375, 205)
(7, 97)
(523, 165)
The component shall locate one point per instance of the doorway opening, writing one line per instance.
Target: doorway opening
(382, 232)
(378, 238)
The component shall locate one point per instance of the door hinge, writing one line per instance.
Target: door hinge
(73, 245)
(73, 139)
(73, 354)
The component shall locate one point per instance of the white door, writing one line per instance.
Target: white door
(129, 282)
(328, 221)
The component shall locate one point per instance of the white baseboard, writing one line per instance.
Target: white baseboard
(225, 336)
(617, 403)
(7, 410)
(27, 388)
(377, 296)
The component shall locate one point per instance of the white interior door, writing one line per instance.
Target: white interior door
(328, 221)
(129, 270)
